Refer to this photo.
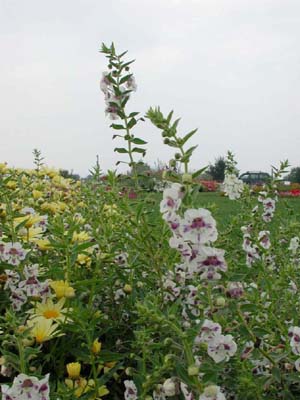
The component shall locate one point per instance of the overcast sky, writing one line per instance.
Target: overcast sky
(231, 68)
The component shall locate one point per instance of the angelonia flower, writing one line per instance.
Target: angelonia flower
(264, 239)
(219, 347)
(192, 235)
(294, 245)
(26, 387)
(113, 102)
(233, 186)
(30, 286)
(294, 334)
(169, 387)
(208, 331)
(186, 393)
(268, 206)
(212, 392)
(250, 248)
(12, 253)
(235, 290)
(131, 392)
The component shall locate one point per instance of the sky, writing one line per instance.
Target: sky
(230, 68)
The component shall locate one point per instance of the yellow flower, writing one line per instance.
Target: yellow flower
(2, 210)
(96, 346)
(84, 259)
(31, 234)
(80, 386)
(37, 194)
(11, 184)
(62, 289)
(30, 220)
(109, 365)
(110, 209)
(73, 370)
(80, 237)
(49, 310)
(3, 168)
(43, 244)
(51, 207)
(48, 171)
(61, 182)
(42, 329)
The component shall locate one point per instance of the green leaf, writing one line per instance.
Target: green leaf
(131, 123)
(276, 374)
(125, 78)
(133, 114)
(111, 79)
(138, 150)
(249, 307)
(117, 126)
(210, 377)
(187, 136)
(258, 331)
(120, 150)
(138, 141)
(190, 150)
(199, 172)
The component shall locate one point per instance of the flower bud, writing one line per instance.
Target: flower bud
(220, 301)
(177, 156)
(169, 387)
(193, 370)
(187, 178)
(167, 341)
(96, 346)
(129, 371)
(73, 370)
(127, 288)
(164, 174)
(211, 391)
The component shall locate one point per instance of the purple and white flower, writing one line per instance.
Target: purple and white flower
(221, 348)
(26, 387)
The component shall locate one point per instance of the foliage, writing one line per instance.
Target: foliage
(155, 297)
(217, 170)
(294, 175)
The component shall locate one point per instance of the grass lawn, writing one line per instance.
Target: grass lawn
(224, 209)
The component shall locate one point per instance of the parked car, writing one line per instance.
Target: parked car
(255, 177)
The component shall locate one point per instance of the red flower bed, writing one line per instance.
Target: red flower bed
(290, 193)
(209, 186)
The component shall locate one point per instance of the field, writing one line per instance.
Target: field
(110, 291)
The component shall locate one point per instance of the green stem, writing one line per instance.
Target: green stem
(22, 356)
(254, 338)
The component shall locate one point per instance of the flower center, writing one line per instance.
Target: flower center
(51, 314)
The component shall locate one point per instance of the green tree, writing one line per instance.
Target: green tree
(294, 175)
(217, 170)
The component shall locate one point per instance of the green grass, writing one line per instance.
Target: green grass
(224, 209)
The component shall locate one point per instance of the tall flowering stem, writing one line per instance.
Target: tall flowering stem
(117, 85)
(172, 139)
